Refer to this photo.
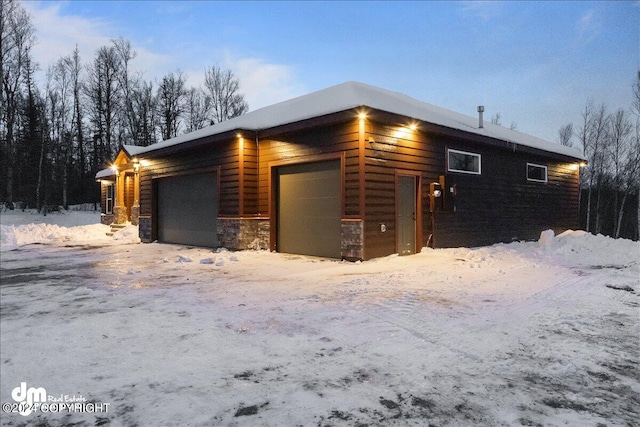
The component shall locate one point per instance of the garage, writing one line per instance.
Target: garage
(309, 210)
(188, 209)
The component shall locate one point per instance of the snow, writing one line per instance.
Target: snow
(529, 333)
(106, 173)
(18, 228)
(350, 95)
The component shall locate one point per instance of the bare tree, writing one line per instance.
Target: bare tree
(565, 135)
(63, 121)
(17, 37)
(635, 104)
(127, 84)
(102, 90)
(224, 89)
(496, 119)
(171, 93)
(197, 109)
(619, 145)
(635, 109)
(74, 66)
(144, 103)
(594, 133)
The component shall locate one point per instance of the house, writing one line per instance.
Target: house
(352, 171)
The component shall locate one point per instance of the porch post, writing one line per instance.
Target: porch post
(135, 209)
(119, 210)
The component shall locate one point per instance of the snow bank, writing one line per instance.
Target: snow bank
(584, 249)
(58, 228)
(129, 234)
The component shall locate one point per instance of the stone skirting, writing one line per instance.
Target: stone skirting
(106, 219)
(254, 233)
(352, 239)
(120, 215)
(135, 214)
(243, 233)
(144, 229)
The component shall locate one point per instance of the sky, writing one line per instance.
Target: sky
(534, 63)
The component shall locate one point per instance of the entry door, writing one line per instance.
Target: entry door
(128, 194)
(406, 214)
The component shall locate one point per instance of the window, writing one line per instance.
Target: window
(537, 173)
(461, 161)
(109, 198)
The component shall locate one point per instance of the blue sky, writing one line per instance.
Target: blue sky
(535, 63)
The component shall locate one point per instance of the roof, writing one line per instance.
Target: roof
(352, 95)
(105, 173)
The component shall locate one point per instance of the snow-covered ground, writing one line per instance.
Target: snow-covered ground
(534, 334)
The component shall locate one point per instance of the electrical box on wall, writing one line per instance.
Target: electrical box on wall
(383, 228)
(435, 197)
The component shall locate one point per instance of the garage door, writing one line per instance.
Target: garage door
(309, 209)
(188, 209)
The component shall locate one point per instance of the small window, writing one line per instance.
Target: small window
(461, 161)
(109, 198)
(537, 173)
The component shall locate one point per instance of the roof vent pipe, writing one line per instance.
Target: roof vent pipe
(480, 111)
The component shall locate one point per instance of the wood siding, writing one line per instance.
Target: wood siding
(300, 146)
(501, 205)
(250, 176)
(219, 156)
(390, 148)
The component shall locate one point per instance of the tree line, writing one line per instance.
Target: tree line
(610, 182)
(57, 134)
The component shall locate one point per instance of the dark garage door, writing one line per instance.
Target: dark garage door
(188, 209)
(309, 209)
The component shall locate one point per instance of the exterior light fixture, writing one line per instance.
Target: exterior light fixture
(362, 116)
(114, 167)
(413, 126)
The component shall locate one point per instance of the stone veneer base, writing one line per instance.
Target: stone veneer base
(243, 233)
(254, 233)
(352, 239)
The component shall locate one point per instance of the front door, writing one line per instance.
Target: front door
(406, 214)
(128, 194)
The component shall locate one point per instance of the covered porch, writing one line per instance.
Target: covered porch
(120, 191)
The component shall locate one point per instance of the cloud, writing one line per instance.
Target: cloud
(588, 26)
(485, 10)
(261, 81)
(58, 35)
(264, 83)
